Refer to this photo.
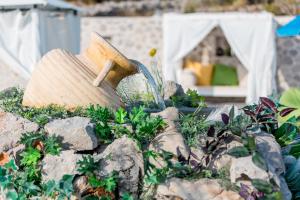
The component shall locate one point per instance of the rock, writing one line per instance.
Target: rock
(271, 152)
(170, 115)
(170, 140)
(80, 185)
(54, 167)
(215, 115)
(77, 133)
(245, 165)
(16, 153)
(124, 157)
(284, 189)
(11, 129)
(221, 158)
(172, 88)
(204, 189)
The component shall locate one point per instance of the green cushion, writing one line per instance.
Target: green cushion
(224, 75)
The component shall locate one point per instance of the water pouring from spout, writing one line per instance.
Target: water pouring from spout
(143, 69)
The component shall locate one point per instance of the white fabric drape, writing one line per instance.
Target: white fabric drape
(19, 47)
(59, 30)
(251, 37)
(25, 36)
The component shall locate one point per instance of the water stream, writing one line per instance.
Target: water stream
(143, 69)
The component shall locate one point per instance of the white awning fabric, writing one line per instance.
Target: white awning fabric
(250, 35)
(27, 35)
(45, 3)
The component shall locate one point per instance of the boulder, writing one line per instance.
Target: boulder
(81, 185)
(123, 157)
(172, 88)
(284, 189)
(171, 139)
(221, 159)
(11, 129)
(245, 166)
(77, 133)
(271, 152)
(204, 189)
(215, 115)
(55, 167)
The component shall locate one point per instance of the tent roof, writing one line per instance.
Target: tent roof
(49, 4)
(290, 29)
(217, 16)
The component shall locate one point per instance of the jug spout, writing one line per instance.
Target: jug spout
(108, 62)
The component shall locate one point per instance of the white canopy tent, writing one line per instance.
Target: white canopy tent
(31, 28)
(250, 35)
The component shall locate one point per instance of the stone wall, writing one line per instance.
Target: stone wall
(135, 36)
(288, 60)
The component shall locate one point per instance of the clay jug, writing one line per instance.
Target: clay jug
(68, 80)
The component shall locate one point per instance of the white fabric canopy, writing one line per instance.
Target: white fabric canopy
(25, 36)
(45, 3)
(250, 35)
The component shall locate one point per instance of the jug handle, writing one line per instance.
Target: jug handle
(103, 73)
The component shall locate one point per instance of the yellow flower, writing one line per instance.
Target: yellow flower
(152, 52)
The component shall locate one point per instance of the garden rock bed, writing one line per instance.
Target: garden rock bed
(131, 154)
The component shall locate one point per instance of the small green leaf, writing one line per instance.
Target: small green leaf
(262, 186)
(120, 116)
(11, 165)
(53, 145)
(110, 183)
(49, 188)
(238, 152)
(251, 143)
(259, 161)
(231, 114)
(30, 157)
(127, 196)
(12, 195)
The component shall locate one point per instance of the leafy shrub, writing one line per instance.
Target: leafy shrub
(190, 99)
(292, 175)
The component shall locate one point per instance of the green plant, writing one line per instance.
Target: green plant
(87, 165)
(101, 116)
(145, 127)
(127, 196)
(120, 116)
(289, 105)
(190, 99)
(292, 175)
(109, 183)
(49, 144)
(11, 101)
(52, 145)
(30, 157)
(193, 126)
(61, 190)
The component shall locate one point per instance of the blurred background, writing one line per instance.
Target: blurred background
(136, 26)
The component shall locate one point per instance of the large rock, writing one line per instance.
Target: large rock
(124, 157)
(284, 189)
(171, 139)
(245, 166)
(215, 114)
(172, 88)
(77, 133)
(55, 167)
(271, 152)
(204, 189)
(221, 158)
(11, 129)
